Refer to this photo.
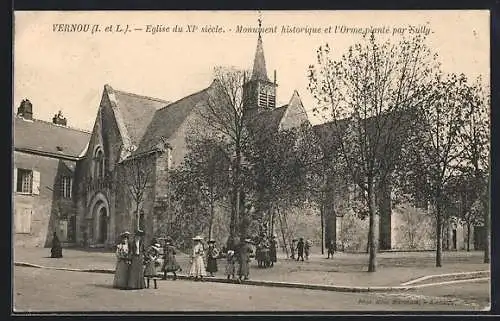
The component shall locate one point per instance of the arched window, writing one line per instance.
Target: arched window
(98, 163)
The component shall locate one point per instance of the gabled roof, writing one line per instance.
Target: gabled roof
(270, 120)
(49, 139)
(167, 120)
(137, 112)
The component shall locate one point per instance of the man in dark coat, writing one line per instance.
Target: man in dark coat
(272, 250)
(56, 250)
(300, 249)
(331, 248)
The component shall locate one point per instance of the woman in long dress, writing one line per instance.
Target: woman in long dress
(123, 264)
(212, 254)
(150, 260)
(169, 262)
(136, 254)
(197, 266)
(56, 250)
(244, 259)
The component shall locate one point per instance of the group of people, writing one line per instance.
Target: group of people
(266, 251)
(236, 255)
(302, 248)
(137, 265)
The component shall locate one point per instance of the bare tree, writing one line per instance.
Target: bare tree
(373, 85)
(476, 140)
(437, 148)
(225, 116)
(136, 174)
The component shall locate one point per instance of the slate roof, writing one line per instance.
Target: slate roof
(46, 137)
(137, 112)
(271, 119)
(167, 120)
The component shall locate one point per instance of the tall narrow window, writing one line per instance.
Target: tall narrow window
(99, 163)
(66, 186)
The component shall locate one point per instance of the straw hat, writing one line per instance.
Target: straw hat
(197, 238)
(211, 241)
(156, 247)
(248, 240)
(125, 234)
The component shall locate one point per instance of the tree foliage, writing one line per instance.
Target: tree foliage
(372, 87)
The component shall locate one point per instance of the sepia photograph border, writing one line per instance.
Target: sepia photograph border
(492, 6)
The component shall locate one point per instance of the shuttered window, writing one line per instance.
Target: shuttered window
(27, 181)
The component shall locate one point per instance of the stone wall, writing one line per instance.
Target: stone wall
(49, 211)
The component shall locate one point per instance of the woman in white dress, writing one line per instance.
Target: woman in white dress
(197, 266)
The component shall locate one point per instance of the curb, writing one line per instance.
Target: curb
(467, 275)
(322, 287)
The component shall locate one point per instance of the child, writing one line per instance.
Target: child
(150, 261)
(230, 270)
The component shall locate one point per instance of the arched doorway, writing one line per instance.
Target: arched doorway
(103, 226)
(99, 220)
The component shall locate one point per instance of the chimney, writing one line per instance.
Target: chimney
(25, 109)
(58, 119)
(275, 77)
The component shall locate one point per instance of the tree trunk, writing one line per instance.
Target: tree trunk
(439, 237)
(322, 229)
(372, 240)
(487, 234)
(211, 222)
(283, 233)
(468, 236)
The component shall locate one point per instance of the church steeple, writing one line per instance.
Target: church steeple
(259, 63)
(259, 93)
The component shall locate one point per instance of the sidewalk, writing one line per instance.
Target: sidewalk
(345, 270)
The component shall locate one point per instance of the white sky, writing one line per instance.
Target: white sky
(67, 71)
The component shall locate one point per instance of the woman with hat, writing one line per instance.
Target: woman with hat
(123, 264)
(244, 259)
(212, 254)
(150, 261)
(136, 255)
(272, 250)
(169, 262)
(197, 266)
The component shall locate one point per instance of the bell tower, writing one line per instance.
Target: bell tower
(259, 92)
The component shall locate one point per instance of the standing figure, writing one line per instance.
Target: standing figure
(123, 264)
(150, 261)
(272, 250)
(212, 254)
(230, 269)
(169, 262)
(307, 248)
(331, 248)
(300, 249)
(136, 255)
(197, 266)
(244, 259)
(56, 250)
